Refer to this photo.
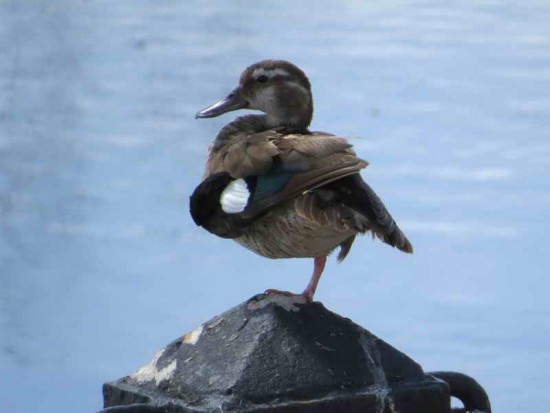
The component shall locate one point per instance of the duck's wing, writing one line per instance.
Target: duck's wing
(258, 154)
(245, 155)
(249, 176)
(279, 167)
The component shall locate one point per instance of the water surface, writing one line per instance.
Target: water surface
(101, 265)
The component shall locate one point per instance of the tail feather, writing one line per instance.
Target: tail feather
(372, 214)
(381, 220)
(385, 226)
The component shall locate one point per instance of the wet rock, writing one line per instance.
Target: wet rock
(274, 354)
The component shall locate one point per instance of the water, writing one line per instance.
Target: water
(101, 264)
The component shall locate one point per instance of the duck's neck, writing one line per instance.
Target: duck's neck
(250, 124)
(247, 124)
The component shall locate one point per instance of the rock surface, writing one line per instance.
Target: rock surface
(274, 354)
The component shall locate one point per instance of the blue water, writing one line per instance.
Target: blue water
(101, 265)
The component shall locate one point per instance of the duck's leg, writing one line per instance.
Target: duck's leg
(318, 268)
(309, 292)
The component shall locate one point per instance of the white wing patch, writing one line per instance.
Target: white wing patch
(235, 197)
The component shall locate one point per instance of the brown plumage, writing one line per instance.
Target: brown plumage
(279, 189)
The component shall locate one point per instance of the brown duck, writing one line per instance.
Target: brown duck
(280, 190)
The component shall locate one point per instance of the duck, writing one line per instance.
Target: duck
(279, 189)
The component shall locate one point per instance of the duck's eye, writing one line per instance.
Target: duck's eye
(262, 79)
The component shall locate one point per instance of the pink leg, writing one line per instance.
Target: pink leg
(318, 267)
(309, 292)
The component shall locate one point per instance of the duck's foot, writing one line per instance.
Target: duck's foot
(297, 297)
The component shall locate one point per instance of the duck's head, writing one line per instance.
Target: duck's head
(276, 87)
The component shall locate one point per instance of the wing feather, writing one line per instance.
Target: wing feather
(314, 159)
(284, 167)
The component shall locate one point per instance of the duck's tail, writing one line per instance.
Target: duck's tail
(370, 213)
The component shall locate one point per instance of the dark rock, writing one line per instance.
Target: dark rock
(272, 354)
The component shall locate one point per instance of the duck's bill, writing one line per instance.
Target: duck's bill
(233, 101)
